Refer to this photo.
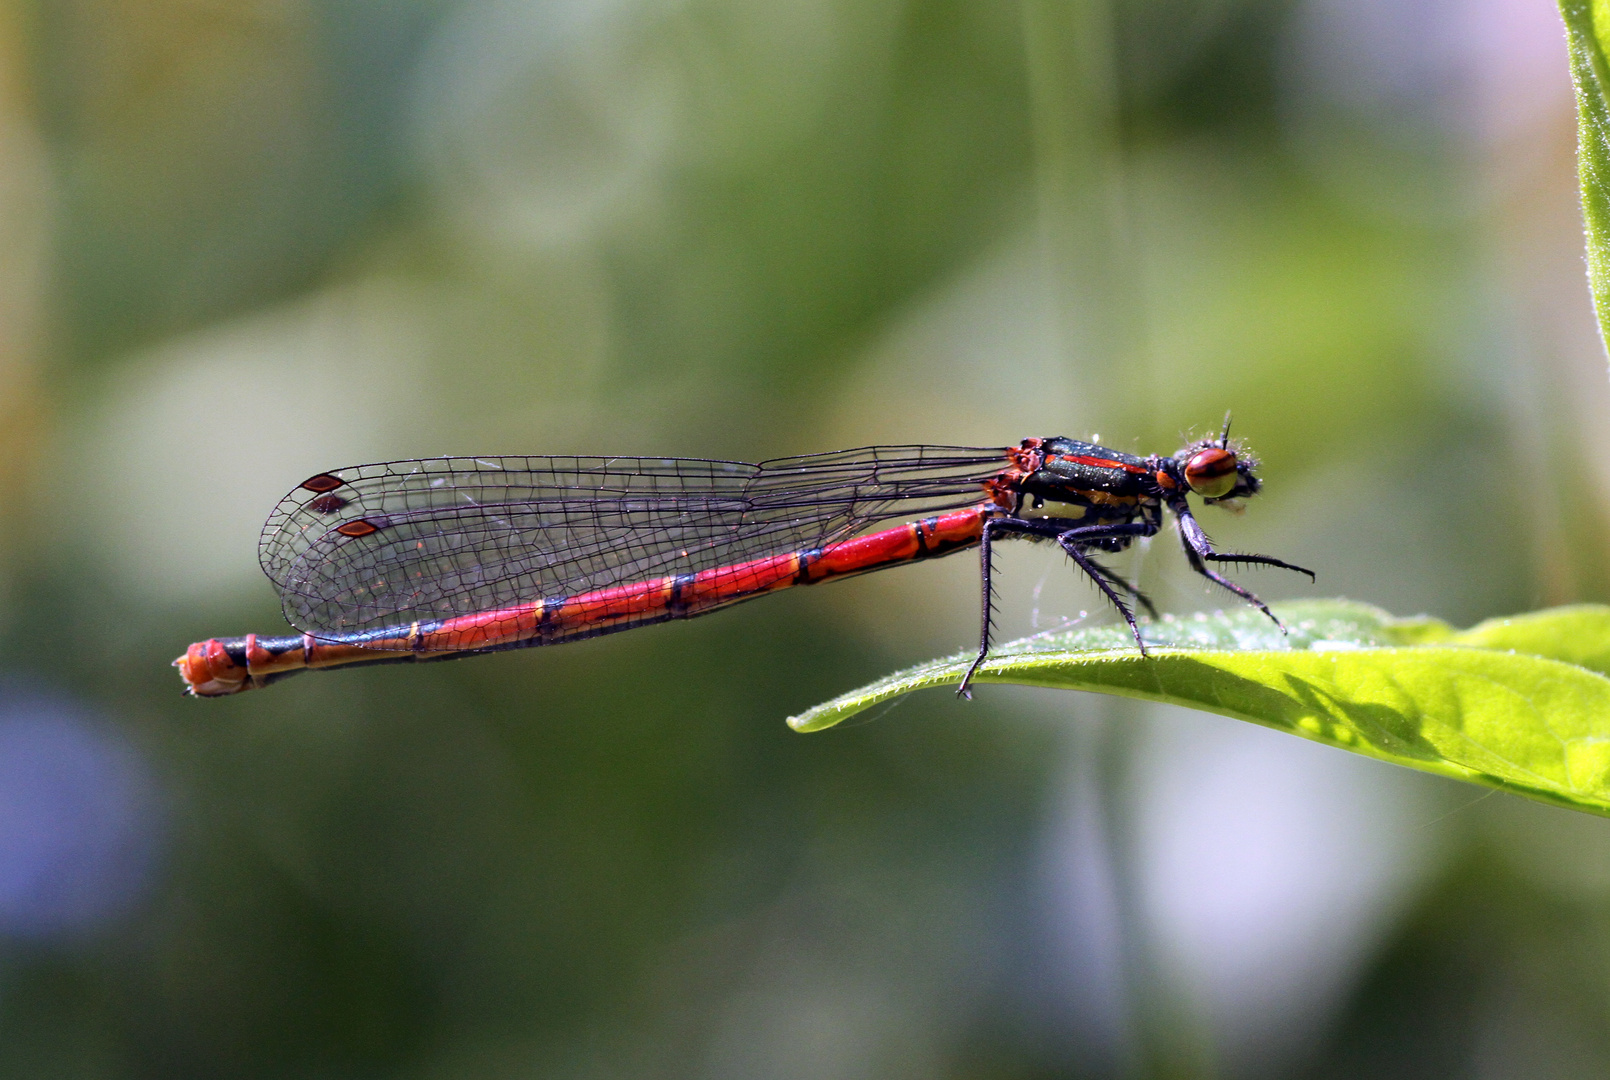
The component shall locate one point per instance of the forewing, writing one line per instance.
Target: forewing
(376, 546)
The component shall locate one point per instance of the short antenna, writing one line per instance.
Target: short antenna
(1224, 440)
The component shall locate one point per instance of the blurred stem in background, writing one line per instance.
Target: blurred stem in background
(1101, 326)
(1558, 395)
(24, 239)
(1079, 184)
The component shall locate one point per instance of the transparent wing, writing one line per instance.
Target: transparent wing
(374, 546)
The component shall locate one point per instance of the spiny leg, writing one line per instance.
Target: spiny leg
(1069, 539)
(1255, 560)
(1197, 543)
(1097, 573)
(1072, 540)
(1219, 579)
(1199, 551)
(1123, 583)
(986, 567)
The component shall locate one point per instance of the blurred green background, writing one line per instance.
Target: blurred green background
(242, 241)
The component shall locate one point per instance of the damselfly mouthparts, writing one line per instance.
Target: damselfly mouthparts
(448, 557)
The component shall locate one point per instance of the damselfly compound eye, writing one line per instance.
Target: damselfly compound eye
(1211, 472)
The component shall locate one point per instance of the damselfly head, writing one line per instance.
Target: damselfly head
(1220, 471)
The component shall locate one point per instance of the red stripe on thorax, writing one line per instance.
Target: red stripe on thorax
(1106, 463)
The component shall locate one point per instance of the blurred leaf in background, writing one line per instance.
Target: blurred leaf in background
(244, 242)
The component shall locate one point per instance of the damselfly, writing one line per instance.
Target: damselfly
(448, 557)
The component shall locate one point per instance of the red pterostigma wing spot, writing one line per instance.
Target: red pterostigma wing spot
(360, 527)
(321, 483)
(445, 537)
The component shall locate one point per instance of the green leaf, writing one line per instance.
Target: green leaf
(1578, 635)
(1521, 703)
(1587, 25)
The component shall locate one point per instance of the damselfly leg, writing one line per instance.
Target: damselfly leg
(1073, 541)
(1199, 552)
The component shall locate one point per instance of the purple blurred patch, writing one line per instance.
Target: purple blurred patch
(79, 821)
